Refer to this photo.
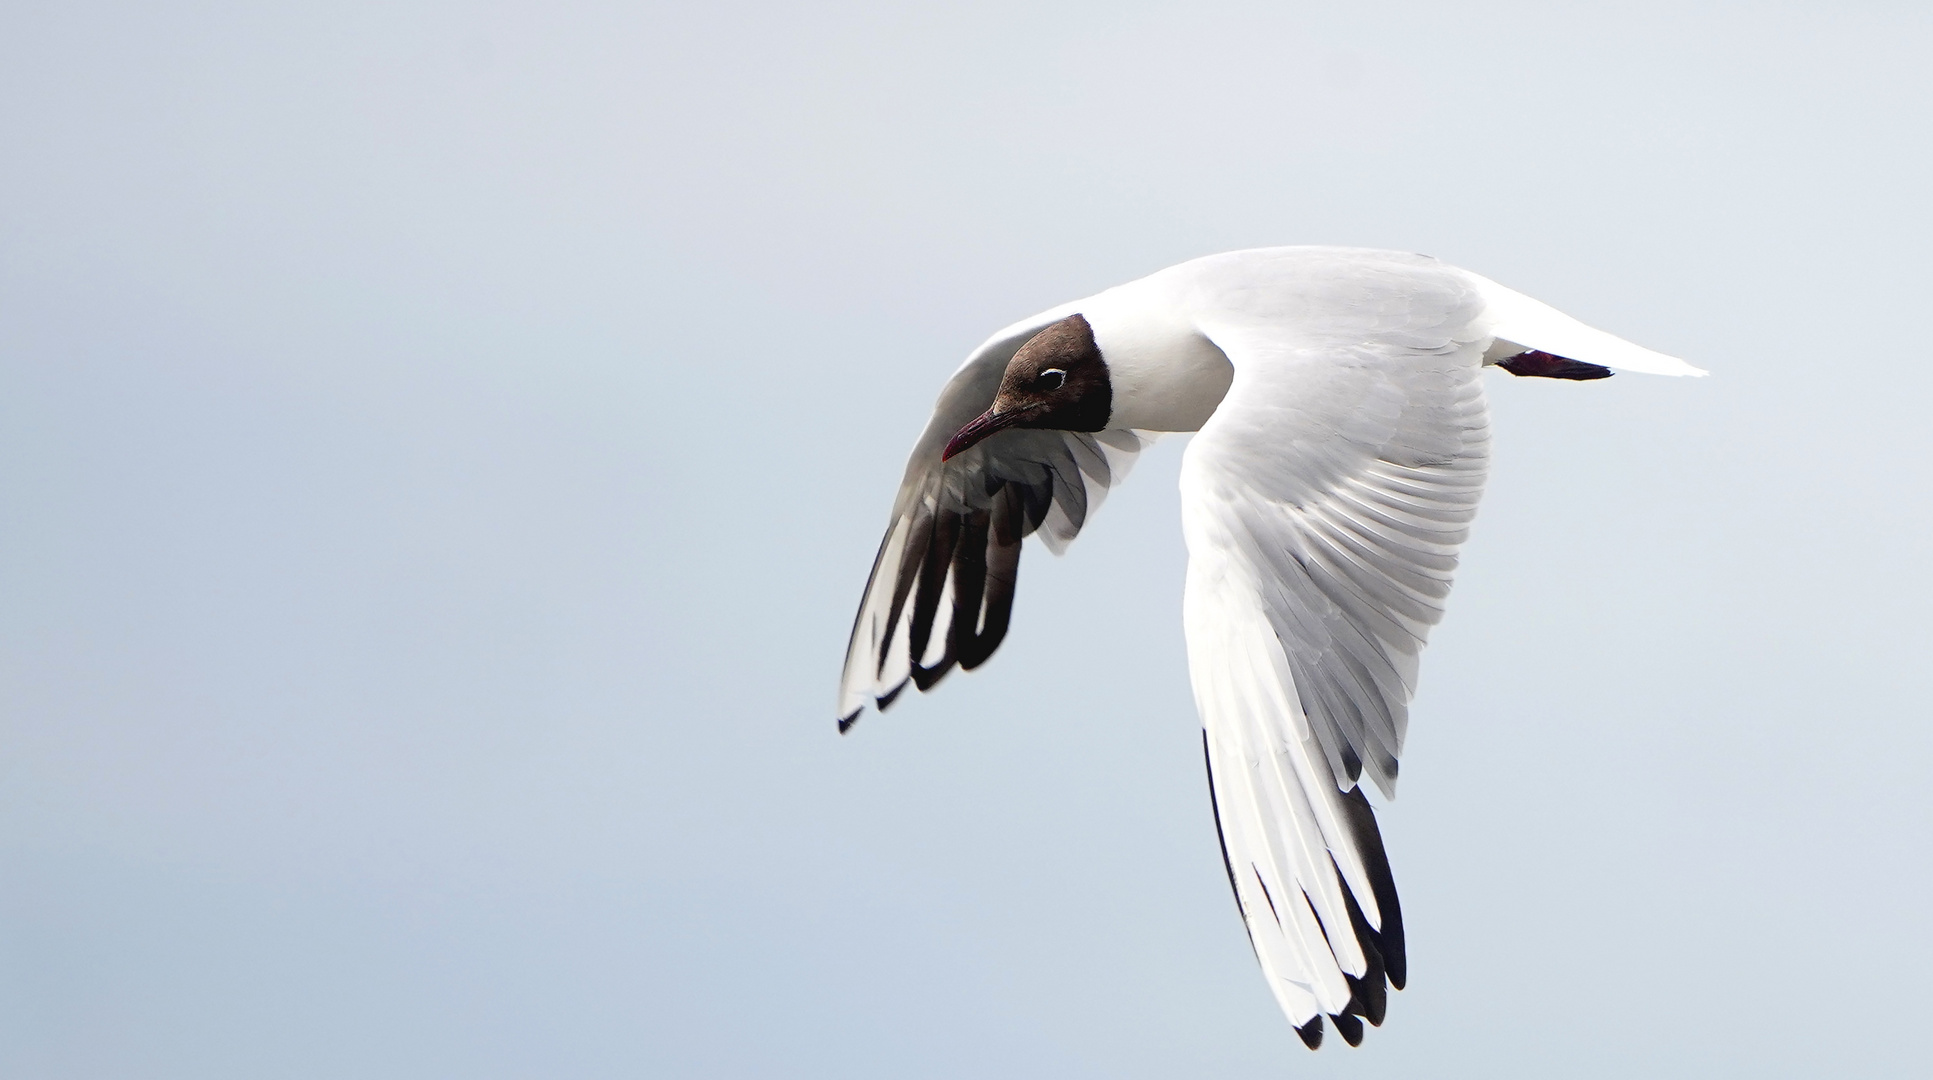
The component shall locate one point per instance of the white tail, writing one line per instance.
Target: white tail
(1531, 324)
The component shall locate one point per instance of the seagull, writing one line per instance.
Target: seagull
(1341, 445)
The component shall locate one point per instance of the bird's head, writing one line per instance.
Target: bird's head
(1057, 380)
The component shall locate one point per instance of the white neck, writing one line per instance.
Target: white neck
(1165, 375)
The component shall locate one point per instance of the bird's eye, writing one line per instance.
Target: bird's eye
(1050, 379)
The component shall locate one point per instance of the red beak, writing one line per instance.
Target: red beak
(982, 426)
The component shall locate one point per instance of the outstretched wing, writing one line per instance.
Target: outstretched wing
(942, 586)
(1323, 504)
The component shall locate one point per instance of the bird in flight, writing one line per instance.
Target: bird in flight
(1342, 446)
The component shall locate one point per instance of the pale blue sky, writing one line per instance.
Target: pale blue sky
(441, 447)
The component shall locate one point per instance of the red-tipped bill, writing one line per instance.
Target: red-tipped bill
(982, 426)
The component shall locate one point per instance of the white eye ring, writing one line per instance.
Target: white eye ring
(1060, 377)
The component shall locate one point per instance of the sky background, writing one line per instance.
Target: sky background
(441, 447)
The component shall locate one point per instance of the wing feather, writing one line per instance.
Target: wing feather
(941, 591)
(1324, 504)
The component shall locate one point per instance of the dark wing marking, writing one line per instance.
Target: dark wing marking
(1383, 949)
(1534, 363)
(941, 592)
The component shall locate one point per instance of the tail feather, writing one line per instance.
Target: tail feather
(1521, 324)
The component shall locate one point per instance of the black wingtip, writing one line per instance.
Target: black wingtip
(1369, 841)
(1349, 1028)
(1369, 996)
(1311, 1032)
(926, 677)
(1536, 364)
(846, 722)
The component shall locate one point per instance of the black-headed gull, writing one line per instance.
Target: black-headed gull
(1342, 446)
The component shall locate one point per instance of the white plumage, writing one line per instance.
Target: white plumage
(1343, 446)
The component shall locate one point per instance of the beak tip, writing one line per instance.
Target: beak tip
(969, 436)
